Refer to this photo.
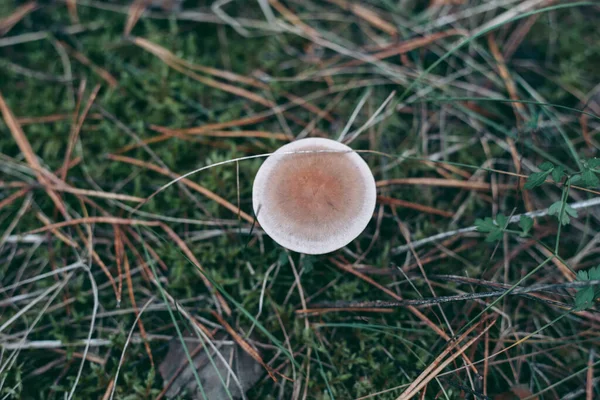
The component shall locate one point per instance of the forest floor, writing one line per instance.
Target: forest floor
(470, 113)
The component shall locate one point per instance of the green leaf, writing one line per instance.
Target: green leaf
(582, 276)
(575, 179)
(526, 223)
(308, 263)
(571, 211)
(555, 209)
(590, 179)
(494, 236)
(536, 179)
(485, 225)
(501, 220)
(495, 228)
(283, 259)
(593, 162)
(584, 298)
(594, 273)
(546, 166)
(558, 173)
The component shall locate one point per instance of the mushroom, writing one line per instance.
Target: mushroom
(314, 195)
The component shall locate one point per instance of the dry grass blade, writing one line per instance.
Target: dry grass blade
(245, 345)
(414, 206)
(51, 118)
(294, 19)
(135, 307)
(177, 64)
(412, 309)
(368, 15)
(469, 185)
(135, 12)
(192, 185)
(62, 237)
(11, 199)
(519, 108)
(75, 132)
(589, 384)
(95, 220)
(438, 365)
(228, 134)
(188, 253)
(325, 310)
(101, 72)
(6, 24)
(216, 126)
(119, 257)
(161, 52)
(72, 7)
(406, 46)
(30, 156)
(94, 193)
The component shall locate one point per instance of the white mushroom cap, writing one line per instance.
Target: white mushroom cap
(314, 195)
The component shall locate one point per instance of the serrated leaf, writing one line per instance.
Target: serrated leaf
(555, 209)
(526, 223)
(494, 236)
(582, 276)
(594, 274)
(575, 179)
(590, 179)
(536, 179)
(571, 211)
(558, 173)
(501, 220)
(490, 226)
(485, 225)
(546, 166)
(584, 298)
(593, 162)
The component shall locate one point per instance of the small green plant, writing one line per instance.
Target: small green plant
(585, 296)
(587, 176)
(564, 216)
(495, 228)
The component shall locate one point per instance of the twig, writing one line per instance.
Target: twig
(515, 218)
(446, 299)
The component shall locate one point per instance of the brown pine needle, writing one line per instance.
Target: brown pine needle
(135, 307)
(367, 14)
(437, 365)
(6, 24)
(414, 206)
(245, 345)
(101, 72)
(174, 62)
(135, 12)
(75, 131)
(30, 157)
(95, 220)
(348, 268)
(73, 15)
(470, 185)
(192, 185)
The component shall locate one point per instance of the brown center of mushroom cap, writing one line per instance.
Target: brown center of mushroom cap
(310, 191)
